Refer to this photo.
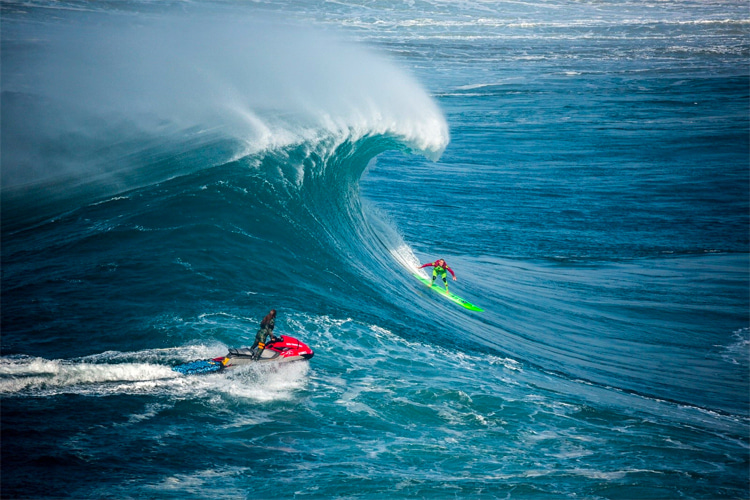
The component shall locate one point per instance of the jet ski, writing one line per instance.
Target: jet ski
(283, 350)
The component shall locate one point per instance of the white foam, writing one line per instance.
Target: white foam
(28, 374)
(738, 352)
(269, 382)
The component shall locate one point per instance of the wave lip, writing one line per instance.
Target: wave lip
(119, 87)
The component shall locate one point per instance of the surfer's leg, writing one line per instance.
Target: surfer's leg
(434, 275)
(445, 280)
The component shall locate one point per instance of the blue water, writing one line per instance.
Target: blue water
(170, 172)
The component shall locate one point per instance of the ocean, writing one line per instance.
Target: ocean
(172, 171)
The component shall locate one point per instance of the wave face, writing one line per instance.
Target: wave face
(171, 173)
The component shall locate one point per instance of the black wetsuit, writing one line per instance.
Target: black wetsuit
(266, 330)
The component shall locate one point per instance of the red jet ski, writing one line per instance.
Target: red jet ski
(286, 349)
(281, 351)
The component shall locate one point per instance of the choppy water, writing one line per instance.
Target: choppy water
(171, 172)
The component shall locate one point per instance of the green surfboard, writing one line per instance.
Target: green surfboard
(448, 295)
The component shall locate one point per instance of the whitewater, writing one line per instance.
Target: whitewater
(170, 172)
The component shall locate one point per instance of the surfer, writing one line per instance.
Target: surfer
(266, 329)
(439, 267)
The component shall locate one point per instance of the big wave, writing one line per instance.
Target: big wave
(103, 103)
(219, 157)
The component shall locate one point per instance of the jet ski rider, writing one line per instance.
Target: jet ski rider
(266, 329)
(439, 267)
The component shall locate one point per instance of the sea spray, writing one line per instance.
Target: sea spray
(94, 90)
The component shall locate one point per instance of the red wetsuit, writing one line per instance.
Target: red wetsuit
(440, 267)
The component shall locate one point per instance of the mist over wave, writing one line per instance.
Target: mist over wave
(107, 102)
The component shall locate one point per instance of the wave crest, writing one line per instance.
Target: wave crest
(80, 96)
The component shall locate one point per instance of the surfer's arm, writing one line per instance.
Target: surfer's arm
(427, 265)
(451, 271)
